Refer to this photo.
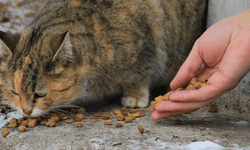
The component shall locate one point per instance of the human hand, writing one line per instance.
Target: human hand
(225, 50)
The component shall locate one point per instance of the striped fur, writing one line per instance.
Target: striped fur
(86, 49)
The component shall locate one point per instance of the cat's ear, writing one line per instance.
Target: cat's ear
(7, 44)
(64, 53)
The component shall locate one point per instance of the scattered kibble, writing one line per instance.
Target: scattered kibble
(124, 109)
(119, 117)
(25, 122)
(130, 116)
(108, 122)
(43, 122)
(124, 113)
(20, 121)
(79, 117)
(5, 132)
(55, 118)
(12, 125)
(116, 111)
(105, 116)
(22, 128)
(213, 108)
(128, 119)
(13, 120)
(132, 110)
(135, 115)
(51, 123)
(78, 124)
(140, 128)
(98, 115)
(68, 120)
(118, 125)
(81, 111)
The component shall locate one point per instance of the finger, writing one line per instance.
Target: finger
(151, 109)
(169, 106)
(159, 115)
(189, 68)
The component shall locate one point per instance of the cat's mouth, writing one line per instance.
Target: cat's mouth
(36, 112)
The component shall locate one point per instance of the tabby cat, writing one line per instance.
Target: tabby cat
(86, 49)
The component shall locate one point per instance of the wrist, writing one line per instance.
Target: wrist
(246, 11)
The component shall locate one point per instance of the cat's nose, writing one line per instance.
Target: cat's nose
(27, 112)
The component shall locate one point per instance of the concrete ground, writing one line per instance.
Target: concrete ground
(229, 128)
(173, 133)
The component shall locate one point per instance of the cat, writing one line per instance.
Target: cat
(87, 49)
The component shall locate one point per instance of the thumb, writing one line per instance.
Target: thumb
(189, 68)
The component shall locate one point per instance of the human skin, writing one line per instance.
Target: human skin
(225, 50)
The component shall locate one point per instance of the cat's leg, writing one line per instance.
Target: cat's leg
(135, 95)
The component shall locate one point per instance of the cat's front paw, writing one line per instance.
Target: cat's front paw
(130, 101)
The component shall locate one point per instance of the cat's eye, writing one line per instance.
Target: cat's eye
(39, 95)
(14, 92)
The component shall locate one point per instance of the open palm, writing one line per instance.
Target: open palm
(223, 51)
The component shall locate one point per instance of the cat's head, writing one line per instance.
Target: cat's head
(38, 73)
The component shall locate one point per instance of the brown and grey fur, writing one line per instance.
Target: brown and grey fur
(86, 49)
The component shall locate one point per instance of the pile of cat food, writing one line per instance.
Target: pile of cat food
(51, 121)
(194, 84)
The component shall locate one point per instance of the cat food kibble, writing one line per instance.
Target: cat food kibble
(166, 96)
(79, 117)
(32, 122)
(55, 118)
(68, 120)
(119, 117)
(118, 125)
(81, 111)
(5, 132)
(159, 99)
(43, 122)
(20, 121)
(124, 109)
(194, 84)
(25, 122)
(205, 79)
(131, 116)
(63, 116)
(22, 128)
(105, 116)
(50, 123)
(12, 125)
(13, 120)
(124, 113)
(140, 128)
(108, 122)
(132, 110)
(116, 111)
(135, 115)
(152, 104)
(128, 119)
(78, 124)
(97, 115)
